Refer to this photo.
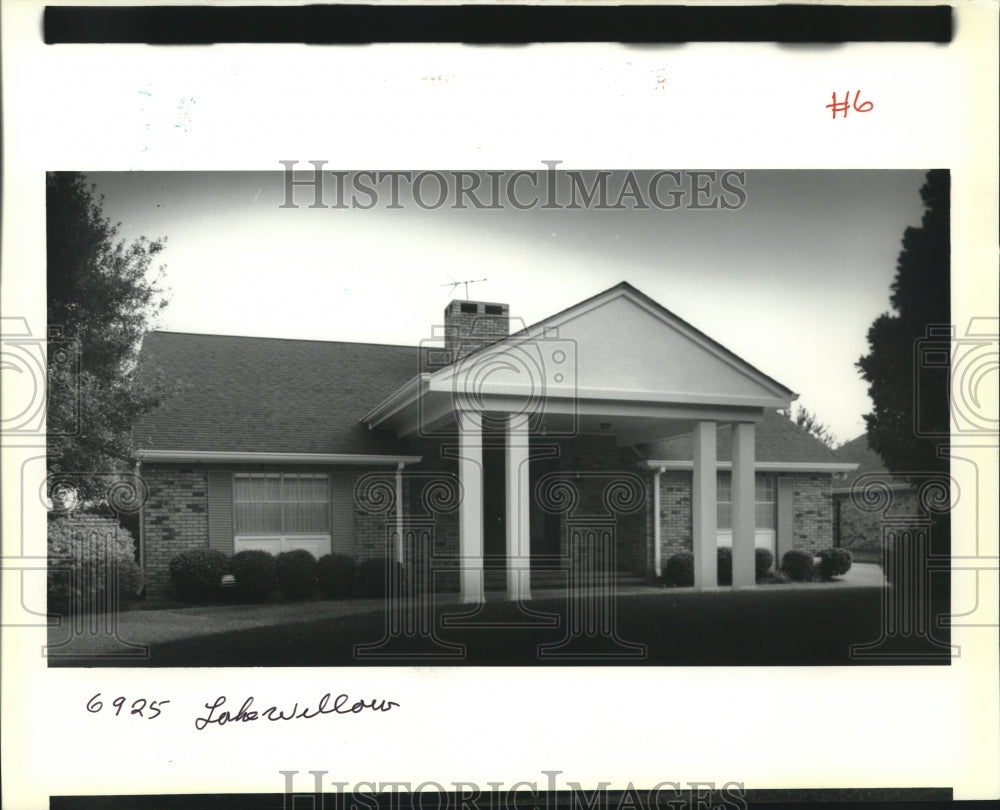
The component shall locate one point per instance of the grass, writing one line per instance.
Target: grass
(767, 626)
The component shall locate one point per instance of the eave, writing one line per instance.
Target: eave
(231, 457)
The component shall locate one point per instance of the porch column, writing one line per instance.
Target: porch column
(470, 516)
(518, 493)
(744, 498)
(704, 516)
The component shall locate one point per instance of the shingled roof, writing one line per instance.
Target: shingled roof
(251, 394)
(858, 451)
(777, 439)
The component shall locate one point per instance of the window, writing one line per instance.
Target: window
(281, 504)
(764, 499)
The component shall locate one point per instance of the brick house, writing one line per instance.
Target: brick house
(609, 435)
(858, 520)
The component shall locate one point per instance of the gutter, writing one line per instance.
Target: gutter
(657, 528)
(760, 466)
(227, 457)
(399, 512)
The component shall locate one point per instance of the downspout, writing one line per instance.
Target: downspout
(657, 529)
(399, 511)
(142, 527)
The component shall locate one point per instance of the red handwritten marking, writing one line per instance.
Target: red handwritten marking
(845, 105)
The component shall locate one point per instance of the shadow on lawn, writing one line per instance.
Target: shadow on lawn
(724, 628)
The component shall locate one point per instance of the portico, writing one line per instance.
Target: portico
(619, 365)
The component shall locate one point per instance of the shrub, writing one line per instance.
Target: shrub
(679, 571)
(297, 573)
(371, 578)
(256, 574)
(724, 565)
(833, 562)
(81, 558)
(335, 574)
(797, 565)
(197, 574)
(763, 559)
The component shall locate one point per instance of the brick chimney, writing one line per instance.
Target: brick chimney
(470, 325)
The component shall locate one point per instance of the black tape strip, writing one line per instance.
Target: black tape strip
(508, 25)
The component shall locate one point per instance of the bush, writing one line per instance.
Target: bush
(833, 562)
(197, 574)
(797, 565)
(297, 573)
(81, 558)
(679, 571)
(371, 578)
(724, 565)
(763, 559)
(256, 574)
(335, 574)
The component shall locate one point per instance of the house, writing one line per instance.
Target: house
(860, 529)
(606, 437)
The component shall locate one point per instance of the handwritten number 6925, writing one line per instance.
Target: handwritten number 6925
(139, 705)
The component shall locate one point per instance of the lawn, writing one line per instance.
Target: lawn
(763, 626)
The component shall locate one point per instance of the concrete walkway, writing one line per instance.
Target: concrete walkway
(151, 627)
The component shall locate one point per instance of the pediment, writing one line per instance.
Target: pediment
(619, 345)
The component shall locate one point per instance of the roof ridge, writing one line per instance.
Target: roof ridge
(267, 337)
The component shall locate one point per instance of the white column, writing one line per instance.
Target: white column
(743, 510)
(704, 515)
(518, 493)
(470, 516)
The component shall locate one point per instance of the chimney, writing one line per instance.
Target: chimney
(470, 325)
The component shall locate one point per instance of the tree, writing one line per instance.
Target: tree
(103, 295)
(810, 423)
(920, 299)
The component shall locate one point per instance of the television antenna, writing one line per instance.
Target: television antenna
(454, 284)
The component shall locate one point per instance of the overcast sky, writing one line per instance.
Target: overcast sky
(790, 281)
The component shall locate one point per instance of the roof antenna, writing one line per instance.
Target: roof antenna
(467, 282)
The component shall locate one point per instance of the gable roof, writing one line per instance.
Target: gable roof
(251, 394)
(623, 287)
(777, 439)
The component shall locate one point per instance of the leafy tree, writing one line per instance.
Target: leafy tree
(920, 299)
(810, 423)
(103, 295)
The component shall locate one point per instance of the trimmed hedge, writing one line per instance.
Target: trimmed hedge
(679, 571)
(297, 573)
(763, 559)
(256, 574)
(797, 565)
(335, 575)
(833, 562)
(197, 574)
(724, 565)
(81, 557)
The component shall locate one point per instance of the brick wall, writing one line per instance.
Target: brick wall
(175, 519)
(812, 513)
(599, 461)
(862, 530)
(676, 533)
(812, 523)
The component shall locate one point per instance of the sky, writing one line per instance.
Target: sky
(790, 280)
